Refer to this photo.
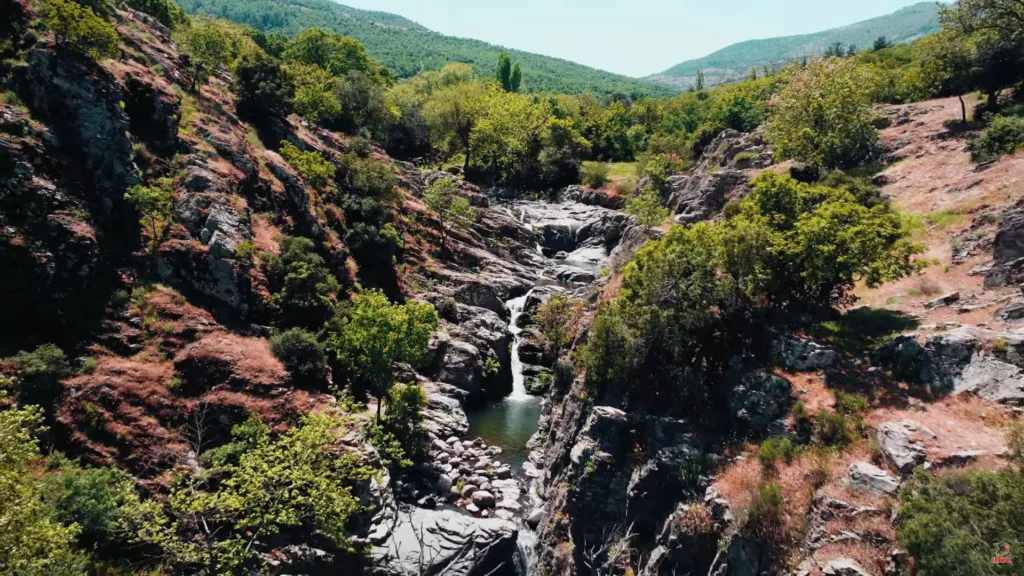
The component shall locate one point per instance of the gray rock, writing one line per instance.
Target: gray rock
(483, 499)
(1009, 241)
(805, 355)
(758, 399)
(869, 478)
(468, 490)
(844, 567)
(1014, 310)
(904, 453)
(958, 459)
(452, 544)
(701, 196)
(945, 300)
(533, 520)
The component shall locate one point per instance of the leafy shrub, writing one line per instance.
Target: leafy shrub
(88, 366)
(316, 94)
(90, 498)
(301, 353)
(595, 174)
(166, 12)
(264, 89)
(366, 177)
(659, 168)
(774, 449)
(823, 115)
(646, 207)
(304, 289)
(950, 524)
(39, 374)
(400, 436)
(832, 429)
(313, 168)
(154, 205)
(557, 318)
(452, 210)
(1005, 135)
(79, 28)
(764, 516)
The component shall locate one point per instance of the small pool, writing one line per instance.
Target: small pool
(508, 424)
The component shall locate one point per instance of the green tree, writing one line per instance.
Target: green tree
(951, 524)
(823, 115)
(452, 211)
(208, 49)
(90, 498)
(263, 87)
(313, 168)
(33, 541)
(881, 43)
(557, 318)
(375, 334)
(301, 353)
(337, 54)
(700, 80)
(646, 207)
(516, 80)
(505, 71)
(316, 94)
(166, 12)
(79, 28)
(453, 113)
(305, 291)
(38, 377)
(299, 478)
(948, 66)
(154, 205)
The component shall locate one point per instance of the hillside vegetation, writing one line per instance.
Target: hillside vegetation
(408, 48)
(735, 61)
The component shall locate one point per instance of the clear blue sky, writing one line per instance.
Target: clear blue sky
(633, 37)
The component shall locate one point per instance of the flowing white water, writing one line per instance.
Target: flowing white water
(515, 307)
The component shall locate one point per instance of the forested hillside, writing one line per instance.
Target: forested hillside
(408, 48)
(736, 61)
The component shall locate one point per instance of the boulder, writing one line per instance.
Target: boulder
(444, 541)
(869, 478)
(804, 355)
(758, 399)
(944, 300)
(483, 499)
(1009, 241)
(700, 196)
(844, 567)
(905, 454)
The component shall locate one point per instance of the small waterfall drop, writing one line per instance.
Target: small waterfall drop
(515, 307)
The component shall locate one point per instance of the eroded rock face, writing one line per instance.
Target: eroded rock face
(758, 400)
(1009, 241)
(898, 446)
(452, 544)
(869, 478)
(700, 196)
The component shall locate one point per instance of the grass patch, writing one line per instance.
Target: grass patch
(617, 170)
(189, 110)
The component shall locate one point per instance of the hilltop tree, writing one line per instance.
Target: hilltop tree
(949, 66)
(337, 54)
(700, 80)
(823, 115)
(881, 43)
(376, 334)
(452, 211)
(509, 75)
(79, 28)
(154, 205)
(453, 113)
(996, 27)
(263, 87)
(208, 50)
(517, 77)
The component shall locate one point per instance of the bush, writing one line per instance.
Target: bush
(314, 170)
(400, 436)
(366, 177)
(658, 168)
(646, 207)
(301, 353)
(774, 449)
(764, 516)
(595, 174)
(90, 498)
(823, 115)
(952, 524)
(264, 89)
(557, 319)
(39, 374)
(304, 289)
(316, 94)
(77, 27)
(1005, 135)
(166, 12)
(832, 429)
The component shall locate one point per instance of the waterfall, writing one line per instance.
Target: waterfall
(515, 307)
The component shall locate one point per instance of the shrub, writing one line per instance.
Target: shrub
(79, 28)
(832, 429)
(951, 524)
(304, 289)
(400, 436)
(366, 177)
(153, 204)
(88, 366)
(264, 89)
(39, 374)
(764, 516)
(316, 94)
(557, 318)
(595, 174)
(823, 115)
(166, 12)
(774, 449)
(90, 498)
(1005, 135)
(452, 211)
(646, 207)
(659, 168)
(301, 353)
(313, 168)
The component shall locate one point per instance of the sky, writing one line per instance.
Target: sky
(632, 37)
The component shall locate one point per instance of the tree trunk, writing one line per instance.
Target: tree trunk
(963, 108)
(465, 166)
(380, 402)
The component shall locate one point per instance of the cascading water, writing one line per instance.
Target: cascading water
(515, 308)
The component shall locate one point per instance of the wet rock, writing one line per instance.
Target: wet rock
(872, 479)
(582, 195)
(533, 520)
(452, 543)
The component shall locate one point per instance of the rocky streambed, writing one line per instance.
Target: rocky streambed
(470, 508)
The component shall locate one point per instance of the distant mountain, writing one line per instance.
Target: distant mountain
(734, 62)
(407, 47)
